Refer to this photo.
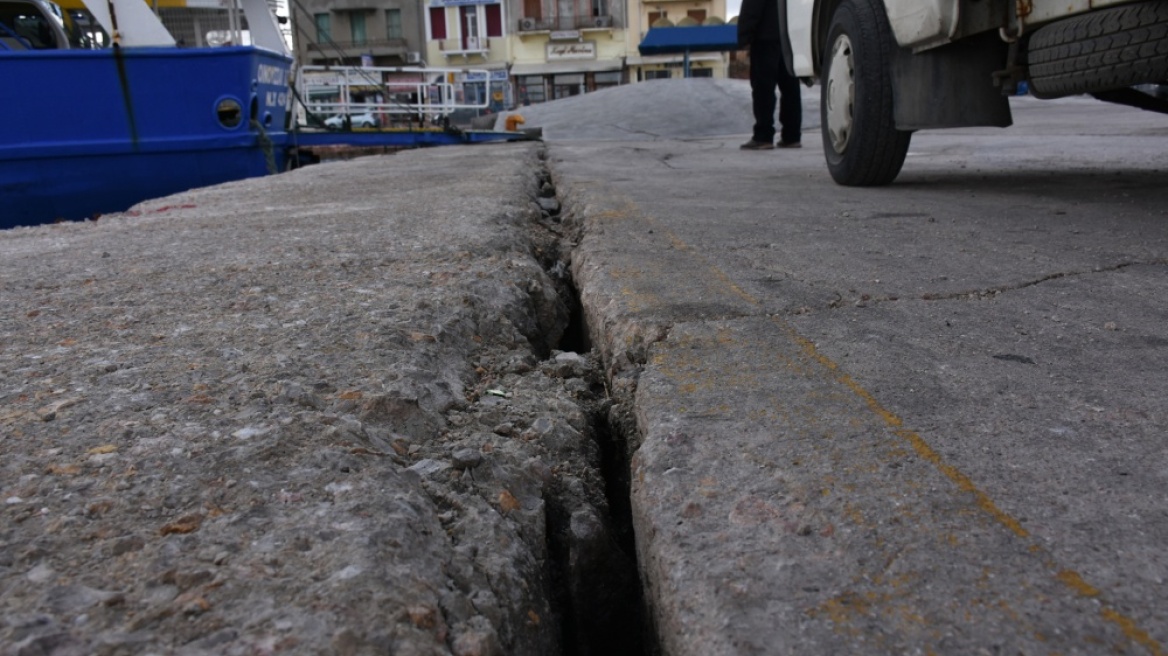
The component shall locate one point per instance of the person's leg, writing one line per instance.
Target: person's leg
(764, 69)
(790, 106)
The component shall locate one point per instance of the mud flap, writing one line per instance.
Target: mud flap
(951, 86)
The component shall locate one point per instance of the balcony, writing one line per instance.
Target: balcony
(354, 5)
(536, 25)
(594, 22)
(347, 49)
(565, 23)
(473, 46)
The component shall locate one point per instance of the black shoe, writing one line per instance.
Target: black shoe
(790, 144)
(757, 145)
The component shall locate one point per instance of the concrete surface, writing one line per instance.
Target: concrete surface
(920, 419)
(926, 418)
(315, 413)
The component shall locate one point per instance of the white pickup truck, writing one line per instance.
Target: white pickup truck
(889, 67)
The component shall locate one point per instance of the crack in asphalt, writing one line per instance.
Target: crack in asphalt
(978, 294)
(633, 131)
(860, 300)
(664, 159)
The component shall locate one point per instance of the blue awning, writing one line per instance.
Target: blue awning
(697, 38)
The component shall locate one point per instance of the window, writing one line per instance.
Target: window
(469, 22)
(475, 92)
(26, 28)
(357, 28)
(599, 7)
(494, 20)
(323, 27)
(701, 72)
(437, 23)
(607, 79)
(566, 85)
(660, 74)
(533, 9)
(531, 90)
(85, 32)
(654, 16)
(393, 24)
(697, 14)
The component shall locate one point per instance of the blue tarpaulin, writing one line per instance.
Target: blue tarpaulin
(698, 38)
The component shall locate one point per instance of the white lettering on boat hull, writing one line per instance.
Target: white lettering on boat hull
(274, 75)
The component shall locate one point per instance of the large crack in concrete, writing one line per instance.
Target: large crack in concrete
(345, 422)
(592, 546)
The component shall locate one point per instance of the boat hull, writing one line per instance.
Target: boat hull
(96, 131)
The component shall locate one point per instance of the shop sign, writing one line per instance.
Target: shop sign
(481, 76)
(460, 3)
(321, 78)
(569, 51)
(404, 83)
(565, 35)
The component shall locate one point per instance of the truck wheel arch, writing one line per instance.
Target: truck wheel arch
(933, 89)
(824, 11)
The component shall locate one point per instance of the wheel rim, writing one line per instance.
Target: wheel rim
(841, 93)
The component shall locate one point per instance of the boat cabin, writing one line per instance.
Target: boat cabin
(36, 25)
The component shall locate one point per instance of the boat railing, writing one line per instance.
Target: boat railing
(428, 93)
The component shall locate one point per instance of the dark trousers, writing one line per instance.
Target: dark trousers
(767, 71)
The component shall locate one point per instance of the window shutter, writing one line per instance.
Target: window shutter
(437, 23)
(494, 20)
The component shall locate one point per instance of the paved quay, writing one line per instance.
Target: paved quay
(318, 413)
(927, 418)
(497, 399)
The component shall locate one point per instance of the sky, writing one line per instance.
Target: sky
(732, 8)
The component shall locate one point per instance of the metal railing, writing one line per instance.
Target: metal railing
(420, 91)
(565, 23)
(369, 44)
(479, 45)
(204, 26)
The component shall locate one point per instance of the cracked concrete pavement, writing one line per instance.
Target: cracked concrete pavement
(920, 419)
(926, 418)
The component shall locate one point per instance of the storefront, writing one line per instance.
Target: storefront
(497, 94)
(695, 51)
(571, 68)
(666, 67)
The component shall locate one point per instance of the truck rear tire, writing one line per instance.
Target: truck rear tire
(860, 140)
(1100, 51)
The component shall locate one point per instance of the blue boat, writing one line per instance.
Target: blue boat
(102, 116)
(88, 131)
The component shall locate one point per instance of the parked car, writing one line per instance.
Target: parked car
(366, 120)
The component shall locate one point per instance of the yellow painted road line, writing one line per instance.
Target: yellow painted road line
(1070, 579)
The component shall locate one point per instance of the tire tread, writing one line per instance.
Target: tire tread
(876, 150)
(1107, 49)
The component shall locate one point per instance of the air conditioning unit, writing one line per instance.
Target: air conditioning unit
(602, 21)
(527, 24)
(413, 57)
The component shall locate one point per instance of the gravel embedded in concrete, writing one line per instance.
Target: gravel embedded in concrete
(318, 412)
